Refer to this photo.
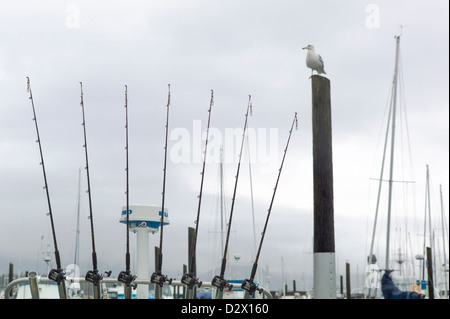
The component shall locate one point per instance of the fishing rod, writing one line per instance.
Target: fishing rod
(248, 285)
(189, 278)
(157, 277)
(219, 281)
(92, 276)
(58, 275)
(125, 276)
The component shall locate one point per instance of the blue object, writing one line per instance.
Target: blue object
(390, 290)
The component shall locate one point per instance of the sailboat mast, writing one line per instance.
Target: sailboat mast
(391, 171)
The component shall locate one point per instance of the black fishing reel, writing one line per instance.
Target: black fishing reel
(127, 278)
(190, 281)
(57, 275)
(95, 277)
(160, 279)
(250, 286)
(221, 283)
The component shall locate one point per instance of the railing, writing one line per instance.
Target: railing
(33, 280)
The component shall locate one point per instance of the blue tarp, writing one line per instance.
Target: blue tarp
(390, 290)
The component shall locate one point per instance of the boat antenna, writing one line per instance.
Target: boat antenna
(248, 285)
(219, 281)
(92, 276)
(125, 276)
(189, 278)
(157, 277)
(57, 274)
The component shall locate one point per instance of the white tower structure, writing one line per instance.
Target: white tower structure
(143, 220)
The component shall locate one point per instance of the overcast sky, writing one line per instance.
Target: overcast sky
(237, 49)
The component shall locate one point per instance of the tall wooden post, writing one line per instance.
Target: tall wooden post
(158, 288)
(185, 268)
(347, 281)
(11, 272)
(324, 250)
(191, 292)
(11, 275)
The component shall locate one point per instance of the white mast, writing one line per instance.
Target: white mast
(394, 103)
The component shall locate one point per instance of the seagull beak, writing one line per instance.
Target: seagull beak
(304, 48)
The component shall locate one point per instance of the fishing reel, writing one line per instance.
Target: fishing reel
(57, 275)
(160, 279)
(127, 278)
(221, 283)
(251, 287)
(190, 280)
(94, 277)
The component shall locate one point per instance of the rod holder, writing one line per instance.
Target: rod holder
(32, 277)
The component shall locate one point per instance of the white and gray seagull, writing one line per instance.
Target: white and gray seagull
(314, 61)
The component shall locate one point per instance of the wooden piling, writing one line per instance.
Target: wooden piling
(347, 281)
(158, 289)
(11, 275)
(185, 269)
(324, 246)
(11, 272)
(191, 293)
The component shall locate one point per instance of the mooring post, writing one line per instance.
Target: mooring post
(191, 293)
(347, 280)
(324, 250)
(158, 289)
(185, 268)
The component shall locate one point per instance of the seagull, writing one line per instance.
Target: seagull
(314, 60)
